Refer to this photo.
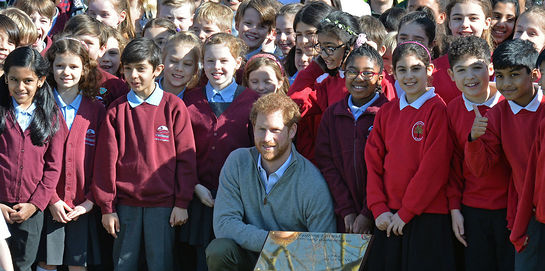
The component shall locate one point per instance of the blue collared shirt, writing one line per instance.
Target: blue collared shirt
(270, 181)
(153, 99)
(418, 102)
(23, 116)
(69, 111)
(225, 95)
(160, 83)
(358, 111)
(532, 106)
(253, 53)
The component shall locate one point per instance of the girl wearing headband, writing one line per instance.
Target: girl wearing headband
(264, 74)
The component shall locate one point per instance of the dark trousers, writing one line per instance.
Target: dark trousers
(488, 245)
(533, 256)
(24, 241)
(225, 254)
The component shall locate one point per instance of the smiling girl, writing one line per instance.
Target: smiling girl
(504, 16)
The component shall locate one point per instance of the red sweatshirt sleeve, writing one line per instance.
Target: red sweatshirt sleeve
(432, 174)
(455, 185)
(483, 153)
(303, 89)
(186, 160)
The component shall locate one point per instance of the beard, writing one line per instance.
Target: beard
(275, 153)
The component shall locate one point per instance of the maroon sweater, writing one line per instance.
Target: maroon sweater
(29, 173)
(111, 87)
(339, 155)
(217, 137)
(79, 154)
(145, 156)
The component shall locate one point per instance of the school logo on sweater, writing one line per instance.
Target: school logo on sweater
(162, 134)
(90, 137)
(418, 131)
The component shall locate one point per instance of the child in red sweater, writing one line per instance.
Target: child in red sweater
(144, 174)
(342, 135)
(510, 127)
(408, 155)
(477, 203)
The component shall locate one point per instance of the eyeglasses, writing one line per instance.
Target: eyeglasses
(328, 50)
(368, 75)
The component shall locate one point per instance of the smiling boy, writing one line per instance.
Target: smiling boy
(255, 22)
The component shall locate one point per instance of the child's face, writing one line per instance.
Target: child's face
(5, 46)
(22, 84)
(468, 19)
(180, 16)
(471, 76)
(302, 60)
(220, 65)
(362, 87)
(387, 60)
(503, 21)
(412, 75)
(180, 66)
(332, 50)
(111, 59)
(306, 38)
(205, 29)
(263, 80)
(141, 77)
(42, 23)
(67, 70)
(93, 45)
(528, 28)
(158, 34)
(413, 5)
(413, 32)
(516, 84)
(105, 12)
(251, 30)
(285, 36)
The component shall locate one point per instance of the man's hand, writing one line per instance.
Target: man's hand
(111, 223)
(178, 216)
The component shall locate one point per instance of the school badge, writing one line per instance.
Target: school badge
(418, 131)
(162, 134)
(90, 137)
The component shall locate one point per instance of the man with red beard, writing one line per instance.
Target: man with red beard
(269, 187)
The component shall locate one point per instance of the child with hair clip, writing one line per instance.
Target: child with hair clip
(322, 83)
(70, 231)
(504, 16)
(182, 57)
(220, 108)
(31, 150)
(264, 74)
(110, 61)
(531, 26)
(341, 139)
(115, 13)
(409, 203)
(9, 38)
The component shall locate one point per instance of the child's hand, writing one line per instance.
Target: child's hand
(23, 212)
(348, 222)
(178, 216)
(396, 226)
(458, 226)
(362, 224)
(83, 208)
(479, 124)
(204, 195)
(111, 223)
(7, 211)
(384, 220)
(58, 211)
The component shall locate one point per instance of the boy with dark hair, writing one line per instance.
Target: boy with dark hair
(477, 203)
(510, 127)
(145, 164)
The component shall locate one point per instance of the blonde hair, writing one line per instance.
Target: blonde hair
(236, 46)
(215, 13)
(114, 33)
(260, 61)
(186, 38)
(27, 29)
(179, 3)
(390, 41)
(127, 26)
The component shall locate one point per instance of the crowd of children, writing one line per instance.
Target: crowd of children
(425, 118)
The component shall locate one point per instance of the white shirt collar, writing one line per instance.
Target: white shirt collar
(153, 99)
(532, 106)
(418, 102)
(492, 101)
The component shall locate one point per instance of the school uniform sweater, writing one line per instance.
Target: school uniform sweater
(111, 87)
(145, 156)
(79, 154)
(486, 192)
(532, 200)
(408, 159)
(445, 87)
(388, 86)
(217, 136)
(29, 173)
(339, 147)
(509, 135)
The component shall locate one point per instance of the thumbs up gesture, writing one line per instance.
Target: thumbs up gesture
(479, 124)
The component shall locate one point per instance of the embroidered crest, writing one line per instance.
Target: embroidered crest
(103, 91)
(90, 137)
(162, 134)
(418, 131)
